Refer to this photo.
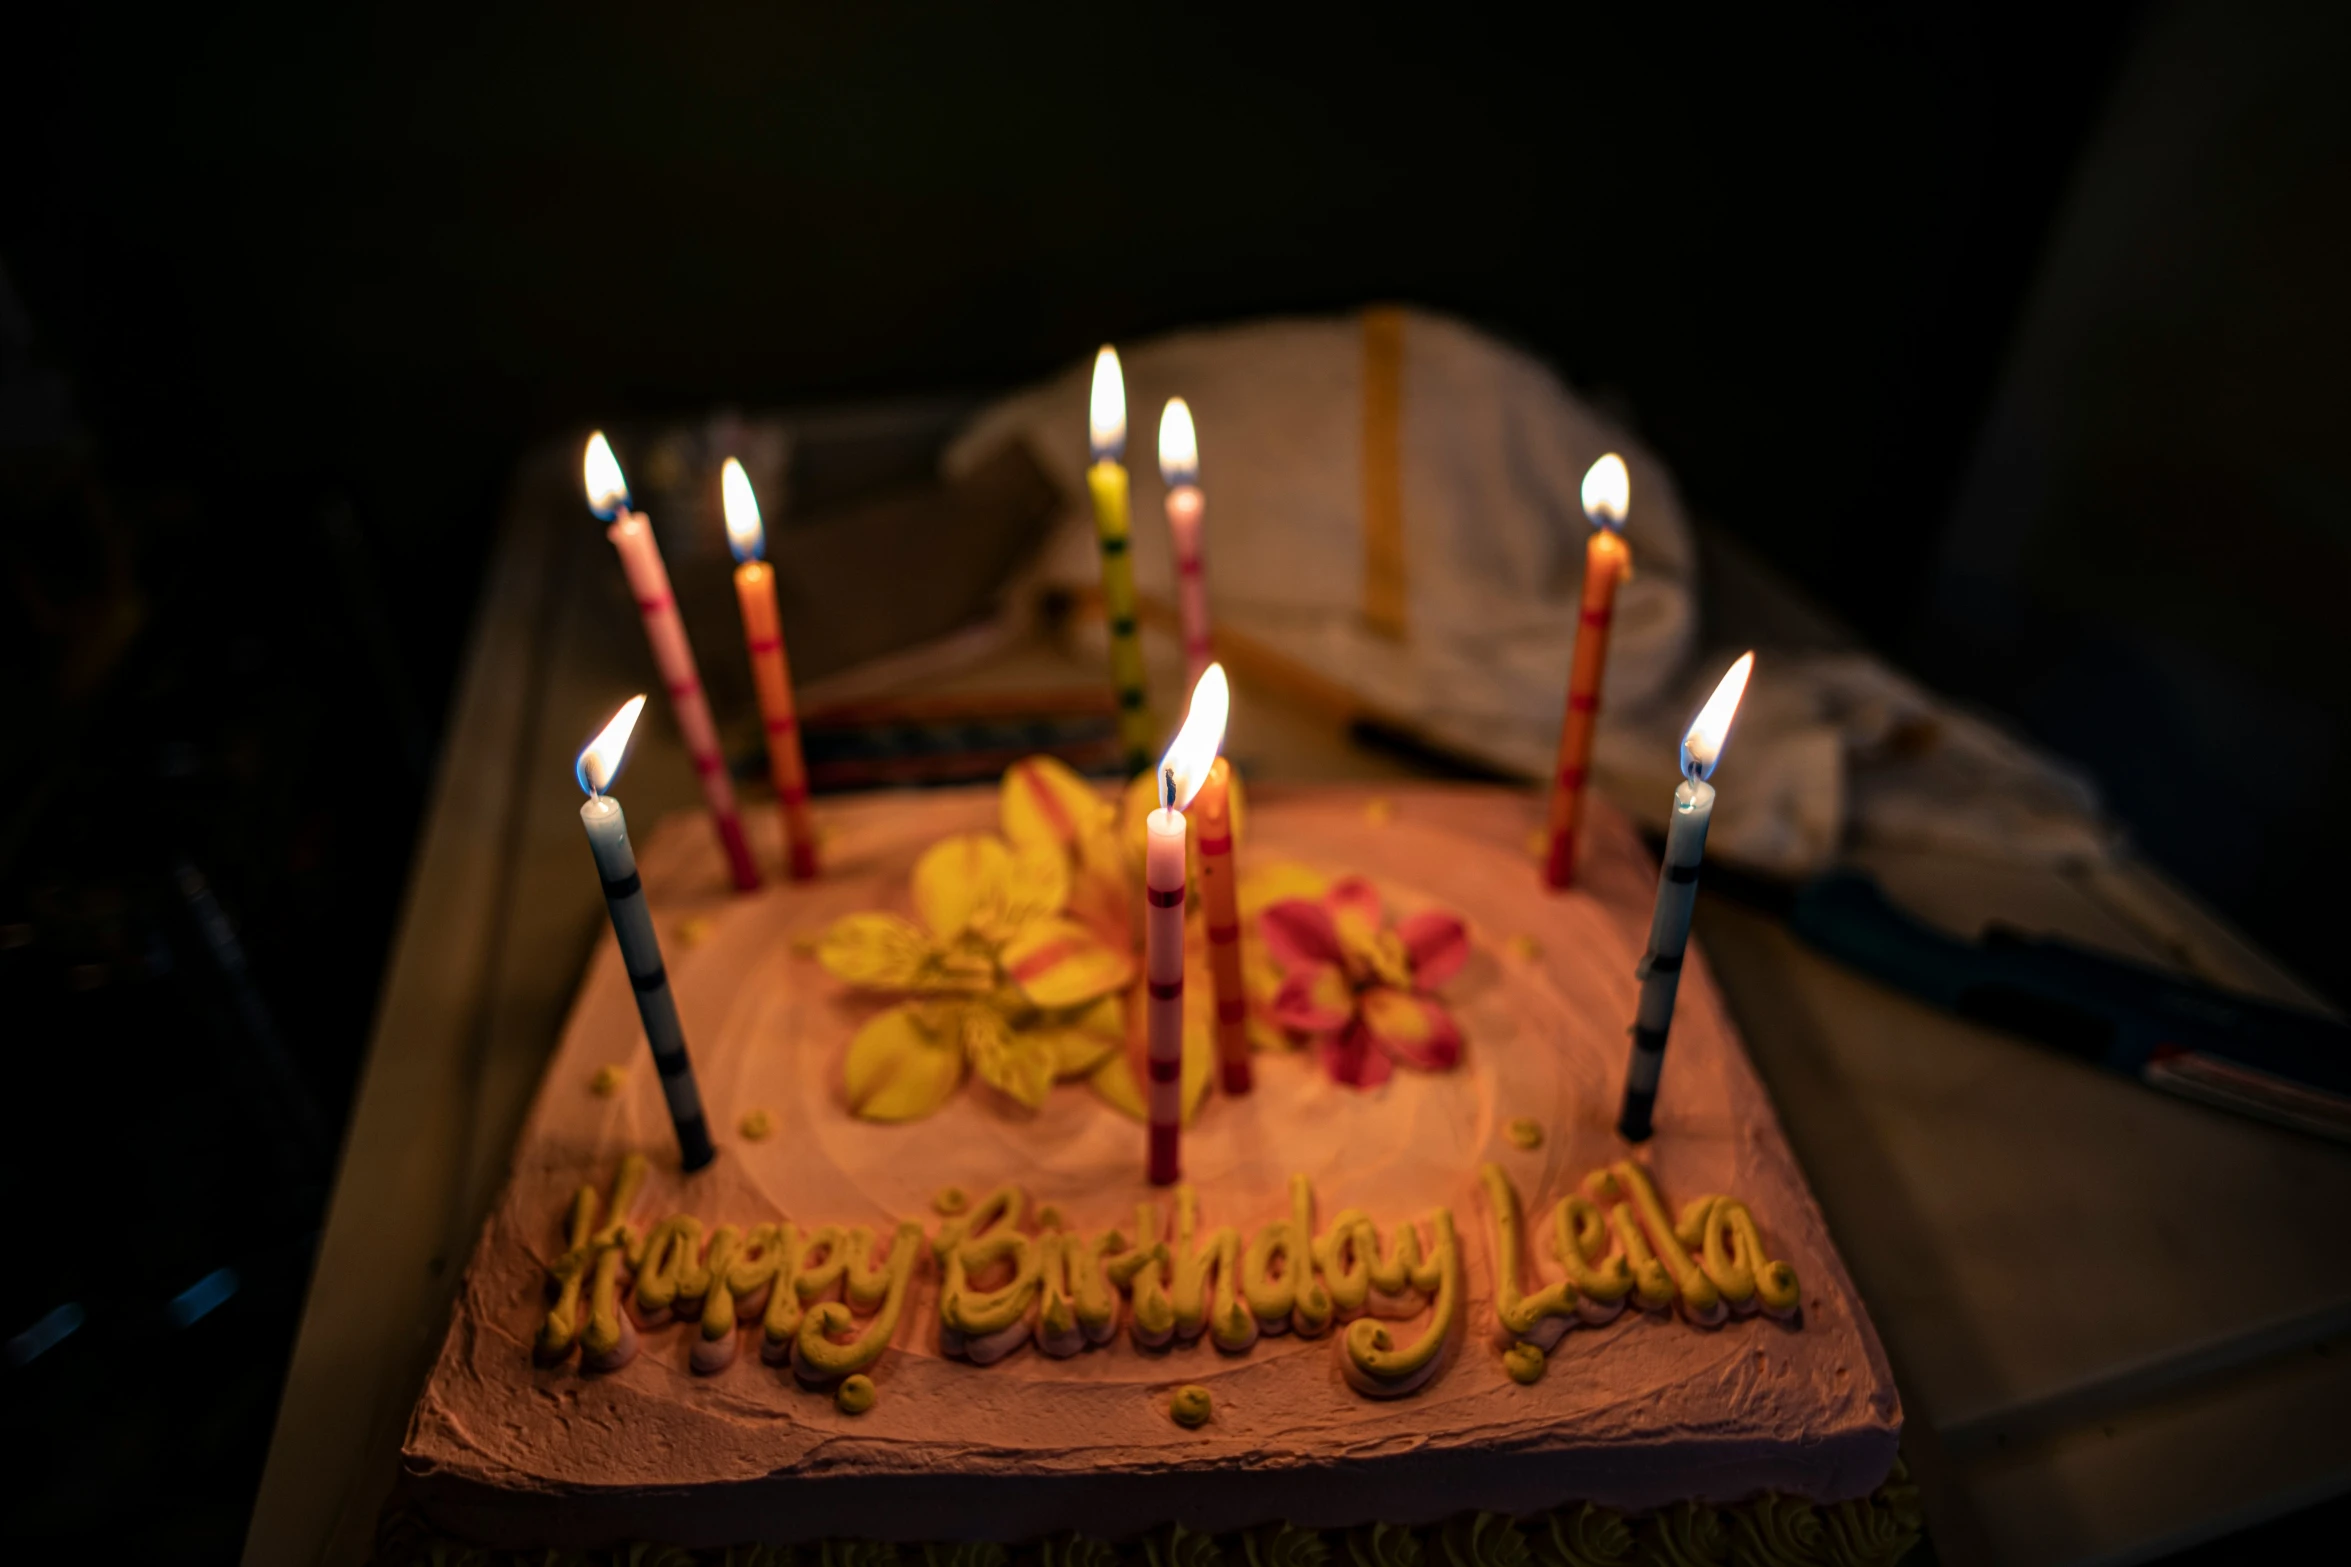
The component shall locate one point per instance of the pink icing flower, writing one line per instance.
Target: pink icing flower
(1357, 989)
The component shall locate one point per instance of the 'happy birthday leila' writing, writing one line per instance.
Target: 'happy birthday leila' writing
(827, 1300)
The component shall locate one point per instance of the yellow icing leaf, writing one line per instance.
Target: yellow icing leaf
(1381, 955)
(1265, 1034)
(1061, 963)
(1135, 805)
(905, 1062)
(1043, 801)
(1355, 909)
(1273, 882)
(1099, 889)
(1261, 976)
(1017, 1064)
(1114, 1079)
(877, 951)
(1199, 1037)
(961, 877)
(1116, 1084)
(1081, 1042)
(1036, 887)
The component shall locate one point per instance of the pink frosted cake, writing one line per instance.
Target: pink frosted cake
(1414, 1299)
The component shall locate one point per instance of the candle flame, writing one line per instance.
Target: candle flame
(1608, 492)
(608, 492)
(1106, 419)
(600, 763)
(744, 533)
(1193, 751)
(1702, 743)
(1179, 447)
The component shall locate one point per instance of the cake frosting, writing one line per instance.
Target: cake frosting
(1517, 1373)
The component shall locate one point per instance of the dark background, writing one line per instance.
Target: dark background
(2014, 333)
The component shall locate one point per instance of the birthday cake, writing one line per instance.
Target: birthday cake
(1412, 1299)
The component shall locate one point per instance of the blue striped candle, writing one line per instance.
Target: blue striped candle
(1677, 900)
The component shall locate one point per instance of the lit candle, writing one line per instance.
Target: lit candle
(1677, 897)
(771, 671)
(1607, 562)
(1220, 899)
(1107, 428)
(640, 557)
(1179, 466)
(632, 926)
(1181, 773)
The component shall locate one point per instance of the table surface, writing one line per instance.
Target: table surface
(2112, 1328)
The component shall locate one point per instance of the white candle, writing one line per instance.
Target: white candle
(1163, 970)
(1181, 772)
(1677, 899)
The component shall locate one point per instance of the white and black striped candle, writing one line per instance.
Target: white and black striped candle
(1677, 899)
(632, 926)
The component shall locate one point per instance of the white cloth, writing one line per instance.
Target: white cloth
(1493, 451)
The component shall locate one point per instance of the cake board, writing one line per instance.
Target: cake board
(1640, 1415)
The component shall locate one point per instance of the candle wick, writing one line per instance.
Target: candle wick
(1170, 789)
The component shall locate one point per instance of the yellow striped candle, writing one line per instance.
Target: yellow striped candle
(1107, 480)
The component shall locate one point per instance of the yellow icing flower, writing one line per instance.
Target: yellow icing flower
(1262, 886)
(1358, 989)
(1016, 967)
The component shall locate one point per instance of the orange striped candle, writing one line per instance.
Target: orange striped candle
(771, 671)
(1607, 490)
(1220, 901)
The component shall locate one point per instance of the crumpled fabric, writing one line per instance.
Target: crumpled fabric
(1493, 448)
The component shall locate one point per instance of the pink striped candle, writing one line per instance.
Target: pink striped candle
(1179, 466)
(1181, 772)
(640, 558)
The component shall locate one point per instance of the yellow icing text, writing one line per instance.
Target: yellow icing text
(830, 1299)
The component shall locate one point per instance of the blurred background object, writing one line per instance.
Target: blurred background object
(2147, 556)
(287, 295)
